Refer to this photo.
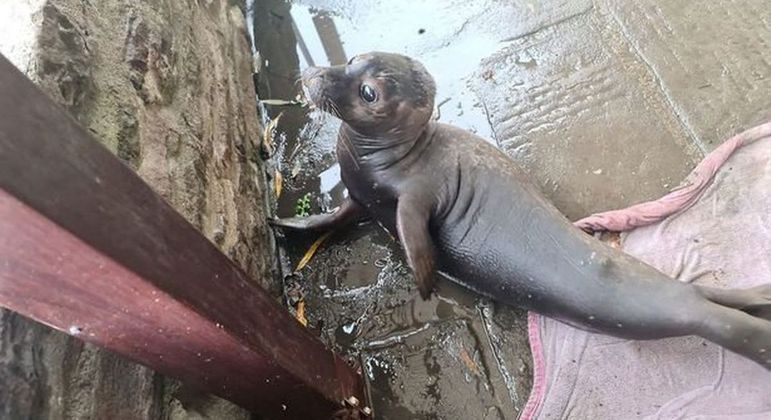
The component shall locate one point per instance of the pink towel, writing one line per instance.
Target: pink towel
(715, 230)
(681, 198)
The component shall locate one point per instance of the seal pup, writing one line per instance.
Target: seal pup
(461, 207)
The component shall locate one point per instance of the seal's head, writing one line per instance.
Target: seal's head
(376, 94)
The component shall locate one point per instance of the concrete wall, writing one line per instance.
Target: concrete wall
(165, 85)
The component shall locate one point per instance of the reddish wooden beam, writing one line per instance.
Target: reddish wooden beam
(87, 248)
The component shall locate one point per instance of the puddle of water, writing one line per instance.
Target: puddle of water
(449, 52)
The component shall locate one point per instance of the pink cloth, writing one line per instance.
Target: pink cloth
(681, 198)
(716, 230)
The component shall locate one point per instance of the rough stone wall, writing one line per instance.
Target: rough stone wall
(166, 85)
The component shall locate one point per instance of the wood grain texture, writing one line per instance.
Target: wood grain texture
(87, 248)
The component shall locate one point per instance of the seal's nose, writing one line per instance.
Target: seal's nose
(313, 80)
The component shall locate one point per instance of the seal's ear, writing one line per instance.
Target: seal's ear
(412, 227)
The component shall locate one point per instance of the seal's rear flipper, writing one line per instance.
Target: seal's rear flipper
(755, 301)
(739, 332)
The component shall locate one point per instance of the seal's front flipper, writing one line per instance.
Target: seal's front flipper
(348, 212)
(412, 226)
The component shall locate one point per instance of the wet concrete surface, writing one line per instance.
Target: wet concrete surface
(604, 103)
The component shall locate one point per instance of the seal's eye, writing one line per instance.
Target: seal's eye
(368, 93)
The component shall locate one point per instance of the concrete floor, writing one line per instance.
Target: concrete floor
(605, 103)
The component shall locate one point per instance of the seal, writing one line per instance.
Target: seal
(463, 209)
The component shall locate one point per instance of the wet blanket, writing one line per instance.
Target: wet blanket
(715, 230)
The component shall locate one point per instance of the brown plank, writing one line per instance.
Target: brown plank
(88, 248)
(330, 39)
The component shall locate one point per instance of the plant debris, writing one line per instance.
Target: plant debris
(312, 251)
(303, 206)
(268, 137)
(469, 362)
(278, 183)
(282, 102)
(295, 295)
(300, 315)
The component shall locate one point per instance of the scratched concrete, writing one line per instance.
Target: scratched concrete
(605, 103)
